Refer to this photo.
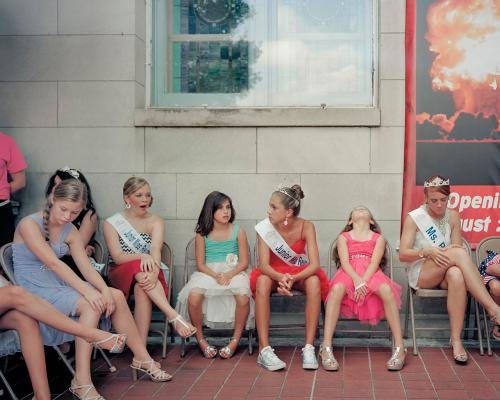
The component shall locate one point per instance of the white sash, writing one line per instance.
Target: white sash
(132, 238)
(278, 246)
(426, 226)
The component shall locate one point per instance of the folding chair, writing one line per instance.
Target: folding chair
(333, 265)
(436, 293)
(8, 268)
(489, 243)
(9, 344)
(297, 296)
(189, 268)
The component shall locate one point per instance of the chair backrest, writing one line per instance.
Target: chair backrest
(167, 257)
(7, 262)
(333, 265)
(489, 243)
(100, 253)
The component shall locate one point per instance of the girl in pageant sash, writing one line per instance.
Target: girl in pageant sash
(86, 222)
(41, 239)
(218, 294)
(288, 259)
(431, 244)
(134, 238)
(359, 288)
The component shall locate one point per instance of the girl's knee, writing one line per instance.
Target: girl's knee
(117, 295)
(337, 291)
(454, 275)
(195, 299)
(18, 295)
(140, 276)
(312, 281)
(263, 285)
(495, 287)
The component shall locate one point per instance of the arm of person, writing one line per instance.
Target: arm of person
(157, 237)
(111, 238)
(18, 181)
(456, 234)
(378, 253)
(33, 238)
(199, 246)
(242, 256)
(88, 227)
(264, 266)
(312, 252)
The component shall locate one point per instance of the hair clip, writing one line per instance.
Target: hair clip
(73, 172)
(437, 181)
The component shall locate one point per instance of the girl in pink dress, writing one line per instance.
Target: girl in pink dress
(360, 289)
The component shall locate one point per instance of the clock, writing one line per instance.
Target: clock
(213, 11)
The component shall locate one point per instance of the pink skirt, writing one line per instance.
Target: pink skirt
(369, 310)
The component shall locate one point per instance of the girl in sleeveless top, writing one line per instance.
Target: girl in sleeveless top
(218, 294)
(39, 242)
(276, 274)
(139, 270)
(449, 267)
(360, 289)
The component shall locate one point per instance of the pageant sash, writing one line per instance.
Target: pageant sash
(132, 238)
(426, 225)
(278, 246)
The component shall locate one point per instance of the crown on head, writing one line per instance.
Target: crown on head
(437, 181)
(285, 190)
(73, 172)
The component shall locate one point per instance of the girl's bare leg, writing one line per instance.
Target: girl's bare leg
(240, 318)
(332, 313)
(312, 289)
(263, 309)
(391, 313)
(32, 349)
(142, 312)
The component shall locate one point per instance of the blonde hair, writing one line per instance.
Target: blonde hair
(290, 197)
(133, 184)
(70, 190)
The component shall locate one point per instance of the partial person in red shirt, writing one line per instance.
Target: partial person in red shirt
(12, 179)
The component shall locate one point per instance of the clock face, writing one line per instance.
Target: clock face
(323, 11)
(213, 11)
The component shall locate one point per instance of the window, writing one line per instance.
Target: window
(263, 53)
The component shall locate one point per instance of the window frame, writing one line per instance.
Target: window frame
(153, 115)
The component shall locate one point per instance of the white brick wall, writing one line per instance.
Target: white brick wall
(73, 72)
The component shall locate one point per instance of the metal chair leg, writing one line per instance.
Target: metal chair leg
(7, 386)
(164, 340)
(407, 314)
(478, 325)
(487, 332)
(413, 332)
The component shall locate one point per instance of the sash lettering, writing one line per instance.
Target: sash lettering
(426, 225)
(278, 246)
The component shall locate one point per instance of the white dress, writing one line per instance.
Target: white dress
(219, 304)
(413, 268)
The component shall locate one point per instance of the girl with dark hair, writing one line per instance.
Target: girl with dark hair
(359, 288)
(86, 221)
(288, 258)
(431, 244)
(39, 242)
(134, 238)
(218, 294)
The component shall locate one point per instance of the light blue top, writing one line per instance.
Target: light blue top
(34, 276)
(217, 250)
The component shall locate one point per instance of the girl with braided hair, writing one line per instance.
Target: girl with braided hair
(39, 242)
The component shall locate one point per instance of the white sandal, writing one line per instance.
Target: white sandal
(226, 352)
(73, 389)
(179, 319)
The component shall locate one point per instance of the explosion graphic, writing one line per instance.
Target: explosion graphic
(464, 35)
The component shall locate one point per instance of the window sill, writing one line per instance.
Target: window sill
(285, 116)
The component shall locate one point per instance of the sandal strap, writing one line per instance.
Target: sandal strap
(153, 370)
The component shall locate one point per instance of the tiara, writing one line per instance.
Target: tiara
(284, 189)
(73, 172)
(437, 181)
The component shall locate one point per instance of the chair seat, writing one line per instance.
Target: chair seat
(431, 292)
(9, 343)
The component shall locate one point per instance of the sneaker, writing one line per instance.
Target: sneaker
(309, 360)
(269, 360)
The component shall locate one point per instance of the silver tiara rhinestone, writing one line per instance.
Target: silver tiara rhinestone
(437, 181)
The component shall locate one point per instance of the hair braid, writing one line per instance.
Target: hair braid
(46, 215)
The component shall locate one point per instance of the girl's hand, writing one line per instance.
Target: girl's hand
(109, 302)
(223, 279)
(90, 250)
(285, 285)
(360, 289)
(95, 299)
(149, 282)
(438, 256)
(148, 263)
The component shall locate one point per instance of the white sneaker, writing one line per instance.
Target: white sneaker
(309, 360)
(269, 360)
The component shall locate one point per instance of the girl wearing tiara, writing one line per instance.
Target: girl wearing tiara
(218, 294)
(360, 289)
(288, 259)
(431, 244)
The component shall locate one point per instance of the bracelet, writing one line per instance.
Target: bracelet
(359, 286)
